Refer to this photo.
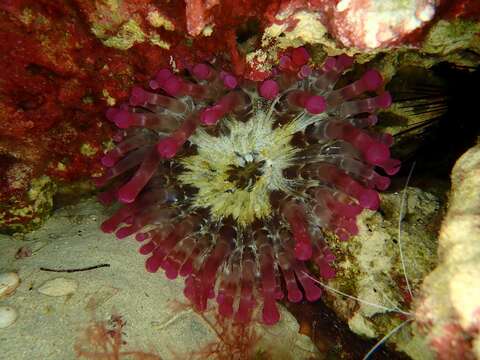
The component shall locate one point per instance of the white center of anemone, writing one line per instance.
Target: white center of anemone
(252, 143)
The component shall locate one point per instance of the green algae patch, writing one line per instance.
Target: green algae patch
(23, 215)
(128, 34)
(118, 28)
(446, 37)
(87, 149)
(156, 19)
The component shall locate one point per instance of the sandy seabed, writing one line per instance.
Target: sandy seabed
(48, 327)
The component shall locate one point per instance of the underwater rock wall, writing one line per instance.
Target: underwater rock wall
(370, 291)
(449, 309)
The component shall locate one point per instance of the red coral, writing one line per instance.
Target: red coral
(45, 82)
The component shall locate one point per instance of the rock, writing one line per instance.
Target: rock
(8, 315)
(8, 283)
(58, 287)
(29, 206)
(449, 310)
(369, 267)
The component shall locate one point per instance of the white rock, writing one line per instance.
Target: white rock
(8, 315)
(58, 287)
(8, 283)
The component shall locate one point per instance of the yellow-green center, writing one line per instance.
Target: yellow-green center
(236, 171)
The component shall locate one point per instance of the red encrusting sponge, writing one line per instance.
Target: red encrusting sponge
(335, 171)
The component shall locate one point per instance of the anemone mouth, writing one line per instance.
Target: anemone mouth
(231, 184)
(235, 172)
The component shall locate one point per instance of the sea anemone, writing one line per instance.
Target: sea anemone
(232, 183)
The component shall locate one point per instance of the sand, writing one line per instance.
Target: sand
(152, 307)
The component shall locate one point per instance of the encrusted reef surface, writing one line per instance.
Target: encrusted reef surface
(437, 311)
(370, 268)
(449, 309)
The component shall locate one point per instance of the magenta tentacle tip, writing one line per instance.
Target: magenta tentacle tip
(230, 81)
(315, 104)
(167, 148)
(201, 71)
(384, 100)
(300, 56)
(269, 89)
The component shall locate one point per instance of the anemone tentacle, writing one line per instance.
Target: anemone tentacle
(231, 183)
